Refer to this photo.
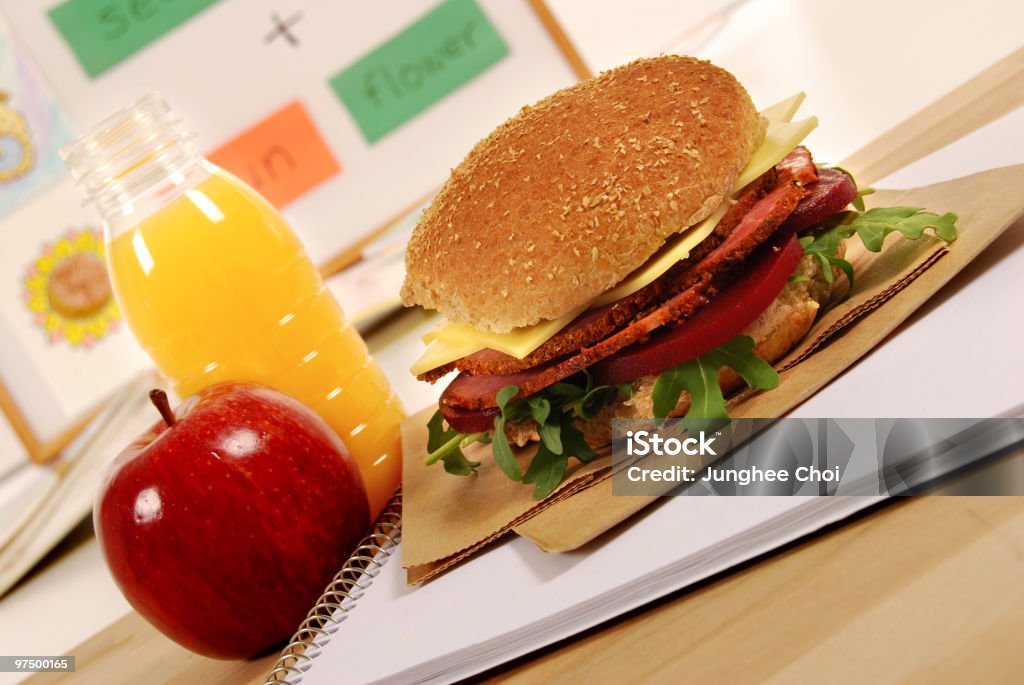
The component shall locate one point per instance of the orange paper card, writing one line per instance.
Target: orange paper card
(282, 156)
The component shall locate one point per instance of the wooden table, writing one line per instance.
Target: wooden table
(922, 590)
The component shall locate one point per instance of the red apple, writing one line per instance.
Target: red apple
(225, 522)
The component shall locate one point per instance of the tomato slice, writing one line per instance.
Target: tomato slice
(719, 321)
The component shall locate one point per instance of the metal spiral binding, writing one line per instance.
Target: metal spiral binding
(341, 595)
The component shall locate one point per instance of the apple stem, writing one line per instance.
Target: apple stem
(159, 399)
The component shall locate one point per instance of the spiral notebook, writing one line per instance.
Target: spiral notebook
(370, 628)
(516, 599)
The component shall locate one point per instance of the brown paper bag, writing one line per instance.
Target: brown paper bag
(446, 519)
(454, 515)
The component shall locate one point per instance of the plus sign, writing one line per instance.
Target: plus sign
(281, 28)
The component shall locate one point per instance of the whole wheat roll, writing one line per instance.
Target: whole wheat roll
(566, 198)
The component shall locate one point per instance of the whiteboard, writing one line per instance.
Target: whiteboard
(257, 81)
(224, 73)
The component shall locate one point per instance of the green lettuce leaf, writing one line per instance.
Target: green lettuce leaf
(554, 410)
(503, 455)
(872, 227)
(875, 224)
(573, 443)
(699, 377)
(546, 470)
(446, 445)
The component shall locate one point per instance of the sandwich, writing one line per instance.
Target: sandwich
(638, 245)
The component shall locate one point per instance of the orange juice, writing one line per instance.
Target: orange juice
(216, 287)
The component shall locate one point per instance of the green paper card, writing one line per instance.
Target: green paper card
(444, 49)
(102, 33)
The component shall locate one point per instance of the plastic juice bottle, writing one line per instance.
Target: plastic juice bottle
(216, 286)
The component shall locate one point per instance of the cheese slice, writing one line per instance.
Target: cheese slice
(675, 250)
(518, 343)
(779, 141)
(450, 341)
(785, 110)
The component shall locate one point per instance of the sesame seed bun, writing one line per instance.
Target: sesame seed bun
(566, 198)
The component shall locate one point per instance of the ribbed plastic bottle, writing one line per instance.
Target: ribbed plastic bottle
(216, 286)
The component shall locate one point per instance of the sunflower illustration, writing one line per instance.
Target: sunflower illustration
(16, 154)
(67, 290)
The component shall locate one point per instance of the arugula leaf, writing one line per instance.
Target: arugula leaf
(504, 395)
(551, 435)
(825, 244)
(502, 451)
(858, 200)
(670, 386)
(557, 407)
(500, 448)
(872, 227)
(546, 470)
(699, 377)
(512, 411)
(875, 224)
(574, 444)
(738, 354)
(456, 463)
(554, 410)
(446, 445)
(437, 436)
(590, 405)
(539, 409)
(548, 467)
(563, 389)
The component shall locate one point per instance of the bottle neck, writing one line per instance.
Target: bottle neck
(135, 162)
